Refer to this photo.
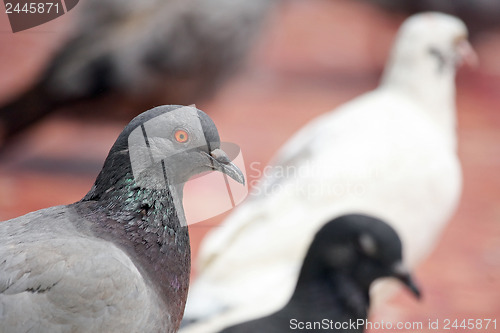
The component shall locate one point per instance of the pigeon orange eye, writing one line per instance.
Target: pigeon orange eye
(181, 136)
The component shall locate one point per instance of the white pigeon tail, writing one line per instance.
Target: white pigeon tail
(390, 153)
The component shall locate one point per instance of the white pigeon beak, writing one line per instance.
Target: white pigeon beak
(222, 163)
(466, 54)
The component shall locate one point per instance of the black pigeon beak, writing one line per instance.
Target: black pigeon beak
(401, 273)
(222, 163)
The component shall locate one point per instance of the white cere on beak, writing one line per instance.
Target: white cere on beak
(400, 269)
(220, 156)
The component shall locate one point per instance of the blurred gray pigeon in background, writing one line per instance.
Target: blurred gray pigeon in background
(154, 51)
(119, 259)
(345, 257)
(390, 153)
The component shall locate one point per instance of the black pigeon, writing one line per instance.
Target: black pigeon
(345, 257)
(166, 51)
(119, 259)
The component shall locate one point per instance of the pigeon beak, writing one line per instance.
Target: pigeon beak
(222, 163)
(400, 272)
(466, 54)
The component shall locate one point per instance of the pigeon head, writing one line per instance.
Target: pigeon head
(434, 39)
(163, 147)
(429, 45)
(361, 248)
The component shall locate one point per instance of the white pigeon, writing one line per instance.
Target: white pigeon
(389, 153)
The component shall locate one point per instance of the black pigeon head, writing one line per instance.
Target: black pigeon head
(164, 146)
(361, 247)
(345, 257)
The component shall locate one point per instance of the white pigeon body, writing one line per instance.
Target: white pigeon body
(390, 153)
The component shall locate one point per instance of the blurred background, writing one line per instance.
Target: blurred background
(309, 57)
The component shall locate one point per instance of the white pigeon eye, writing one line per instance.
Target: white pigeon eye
(181, 136)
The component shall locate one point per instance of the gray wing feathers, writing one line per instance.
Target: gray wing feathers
(57, 283)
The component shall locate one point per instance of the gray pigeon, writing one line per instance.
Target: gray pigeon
(119, 259)
(332, 293)
(167, 51)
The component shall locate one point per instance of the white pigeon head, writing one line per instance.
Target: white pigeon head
(428, 47)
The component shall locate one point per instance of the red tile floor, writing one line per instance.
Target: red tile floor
(313, 56)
